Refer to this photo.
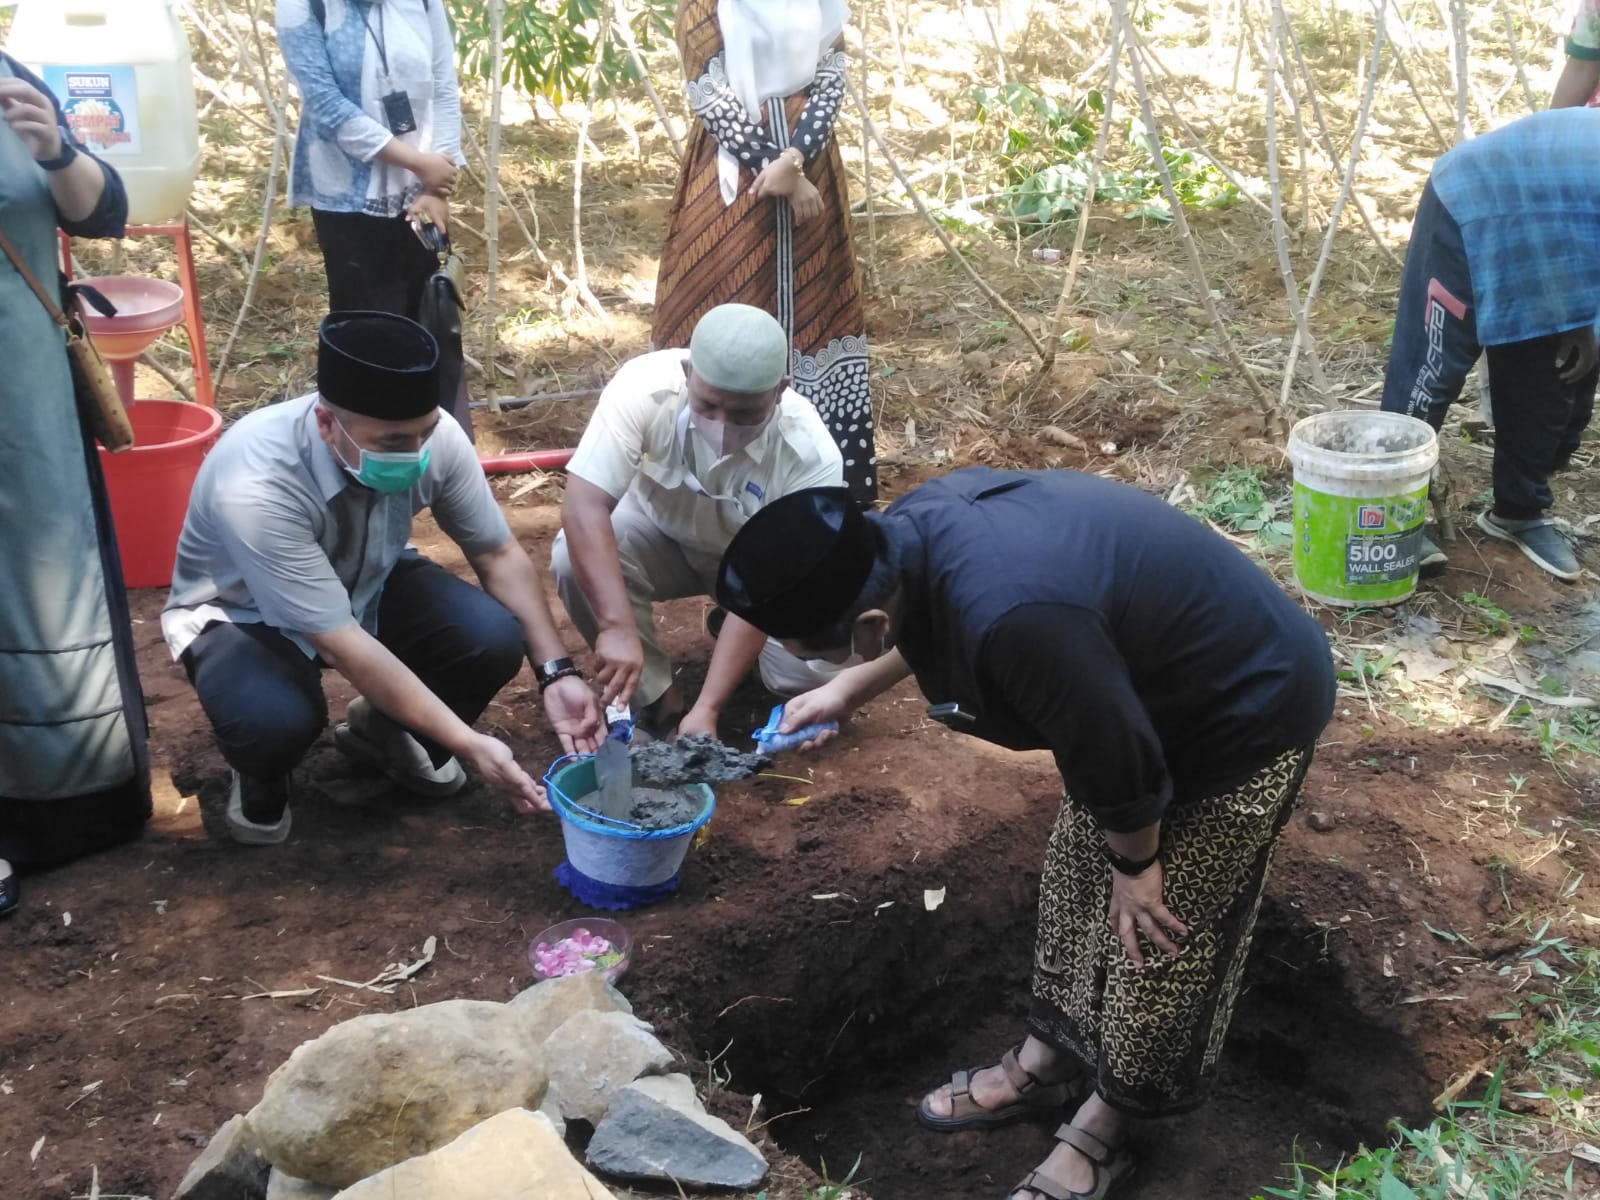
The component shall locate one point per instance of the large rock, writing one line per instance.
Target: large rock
(377, 1090)
(231, 1167)
(548, 1005)
(593, 1056)
(287, 1187)
(513, 1156)
(658, 1129)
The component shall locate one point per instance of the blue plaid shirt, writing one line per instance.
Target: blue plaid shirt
(1527, 198)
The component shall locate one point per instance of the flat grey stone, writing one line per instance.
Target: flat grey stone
(231, 1167)
(646, 1134)
(287, 1187)
(594, 1055)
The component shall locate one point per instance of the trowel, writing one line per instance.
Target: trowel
(613, 767)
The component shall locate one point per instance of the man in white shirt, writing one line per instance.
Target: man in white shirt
(684, 447)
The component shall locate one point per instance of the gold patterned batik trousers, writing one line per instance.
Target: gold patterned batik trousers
(1151, 1036)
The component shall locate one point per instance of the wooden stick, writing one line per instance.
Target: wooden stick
(1269, 410)
(1280, 233)
(1102, 136)
(1196, 142)
(1327, 139)
(899, 50)
(1347, 188)
(491, 200)
(267, 203)
(944, 238)
(622, 20)
(1399, 58)
(866, 180)
(1516, 57)
(221, 242)
(999, 46)
(1458, 31)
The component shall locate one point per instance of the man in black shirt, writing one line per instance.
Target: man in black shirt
(1181, 693)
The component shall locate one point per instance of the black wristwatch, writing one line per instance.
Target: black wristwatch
(62, 161)
(1123, 865)
(547, 673)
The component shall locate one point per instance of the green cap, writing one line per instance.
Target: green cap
(739, 348)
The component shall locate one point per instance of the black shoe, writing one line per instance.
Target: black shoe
(1538, 538)
(1431, 559)
(10, 893)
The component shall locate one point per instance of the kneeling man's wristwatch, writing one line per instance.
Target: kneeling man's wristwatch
(547, 673)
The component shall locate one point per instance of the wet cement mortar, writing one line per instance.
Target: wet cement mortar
(800, 960)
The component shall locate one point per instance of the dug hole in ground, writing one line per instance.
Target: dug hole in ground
(803, 959)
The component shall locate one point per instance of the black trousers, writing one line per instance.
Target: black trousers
(1538, 419)
(374, 264)
(264, 698)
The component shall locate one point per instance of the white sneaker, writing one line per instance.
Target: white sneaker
(369, 737)
(247, 832)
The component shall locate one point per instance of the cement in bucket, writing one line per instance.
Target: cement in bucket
(1360, 498)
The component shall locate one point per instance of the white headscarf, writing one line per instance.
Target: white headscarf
(772, 47)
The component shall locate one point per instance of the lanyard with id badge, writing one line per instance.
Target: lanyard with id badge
(397, 112)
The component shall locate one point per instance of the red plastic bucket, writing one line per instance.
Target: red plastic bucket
(150, 484)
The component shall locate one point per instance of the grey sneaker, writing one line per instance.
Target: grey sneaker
(1538, 538)
(263, 795)
(1431, 558)
(369, 737)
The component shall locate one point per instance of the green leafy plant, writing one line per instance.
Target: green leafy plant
(1236, 498)
(562, 49)
(1046, 154)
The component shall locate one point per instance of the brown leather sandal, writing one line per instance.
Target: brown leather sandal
(1112, 1164)
(1034, 1096)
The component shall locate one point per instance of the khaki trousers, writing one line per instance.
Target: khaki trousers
(654, 567)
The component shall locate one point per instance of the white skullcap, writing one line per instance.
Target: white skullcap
(739, 348)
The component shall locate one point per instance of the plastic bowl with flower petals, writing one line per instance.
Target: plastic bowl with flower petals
(580, 945)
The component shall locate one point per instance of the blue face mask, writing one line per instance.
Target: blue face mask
(388, 473)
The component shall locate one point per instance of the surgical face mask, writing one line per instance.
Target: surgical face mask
(388, 473)
(725, 439)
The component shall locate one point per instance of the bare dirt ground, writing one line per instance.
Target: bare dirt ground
(799, 963)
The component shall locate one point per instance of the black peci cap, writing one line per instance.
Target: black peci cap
(797, 565)
(377, 364)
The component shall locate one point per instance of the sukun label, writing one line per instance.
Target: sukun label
(101, 105)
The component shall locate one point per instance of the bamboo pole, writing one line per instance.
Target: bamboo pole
(1270, 412)
(1280, 231)
(1516, 57)
(1102, 136)
(1327, 138)
(271, 196)
(956, 256)
(622, 22)
(491, 201)
(1458, 37)
(1347, 188)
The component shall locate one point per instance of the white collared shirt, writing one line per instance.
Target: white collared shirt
(640, 439)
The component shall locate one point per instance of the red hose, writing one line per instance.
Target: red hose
(528, 460)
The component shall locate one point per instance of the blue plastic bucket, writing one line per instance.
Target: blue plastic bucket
(617, 853)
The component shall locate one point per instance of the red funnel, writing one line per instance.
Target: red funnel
(146, 308)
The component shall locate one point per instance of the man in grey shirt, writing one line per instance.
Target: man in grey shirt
(293, 557)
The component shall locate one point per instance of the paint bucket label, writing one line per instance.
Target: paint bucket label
(1358, 550)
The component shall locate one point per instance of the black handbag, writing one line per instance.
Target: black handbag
(440, 313)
